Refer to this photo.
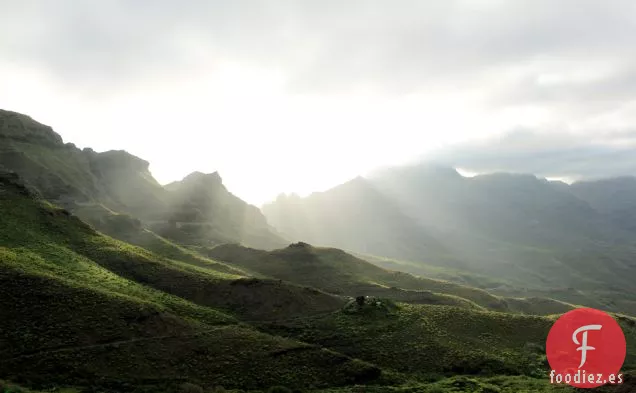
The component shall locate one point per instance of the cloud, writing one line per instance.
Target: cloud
(365, 82)
(321, 46)
(547, 154)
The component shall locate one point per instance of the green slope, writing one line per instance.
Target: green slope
(82, 308)
(338, 272)
(425, 341)
(68, 335)
(45, 231)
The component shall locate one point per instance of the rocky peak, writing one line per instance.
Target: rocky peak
(22, 128)
(118, 159)
(200, 177)
(299, 246)
(197, 181)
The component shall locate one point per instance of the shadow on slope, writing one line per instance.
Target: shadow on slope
(421, 340)
(81, 308)
(338, 272)
(51, 232)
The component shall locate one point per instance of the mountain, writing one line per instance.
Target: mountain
(175, 301)
(533, 236)
(82, 309)
(614, 197)
(96, 185)
(355, 216)
(201, 208)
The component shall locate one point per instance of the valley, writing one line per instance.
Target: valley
(419, 280)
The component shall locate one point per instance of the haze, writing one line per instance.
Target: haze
(283, 96)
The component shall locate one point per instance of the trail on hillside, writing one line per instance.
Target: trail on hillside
(157, 338)
(107, 344)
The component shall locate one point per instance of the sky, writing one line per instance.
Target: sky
(299, 96)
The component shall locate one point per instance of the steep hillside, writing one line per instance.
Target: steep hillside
(85, 310)
(81, 308)
(354, 216)
(127, 179)
(65, 174)
(94, 185)
(203, 211)
(38, 231)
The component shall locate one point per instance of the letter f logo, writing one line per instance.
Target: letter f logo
(568, 344)
(583, 346)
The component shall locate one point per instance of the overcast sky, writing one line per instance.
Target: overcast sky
(282, 96)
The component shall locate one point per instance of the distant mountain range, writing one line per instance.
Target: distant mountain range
(111, 282)
(522, 230)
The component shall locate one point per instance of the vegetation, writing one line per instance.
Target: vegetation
(338, 272)
(83, 309)
(111, 288)
(525, 233)
(425, 341)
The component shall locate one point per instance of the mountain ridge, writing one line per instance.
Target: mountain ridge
(516, 228)
(120, 182)
(145, 314)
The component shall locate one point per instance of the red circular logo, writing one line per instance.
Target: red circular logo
(586, 348)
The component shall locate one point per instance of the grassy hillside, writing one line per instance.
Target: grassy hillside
(95, 301)
(64, 334)
(519, 297)
(430, 342)
(35, 229)
(338, 272)
(82, 308)
(130, 230)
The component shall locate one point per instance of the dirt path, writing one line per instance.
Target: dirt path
(109, 344)
(158, 338)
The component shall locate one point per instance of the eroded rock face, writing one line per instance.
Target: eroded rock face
(23, 128)
(117, 160)
(128, 182)
(200, 205)
(65, 174)
(10, 182)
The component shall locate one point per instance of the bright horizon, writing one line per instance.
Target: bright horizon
(300, 97)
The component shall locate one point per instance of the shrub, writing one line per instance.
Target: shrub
(279, 389)
(188, 387)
